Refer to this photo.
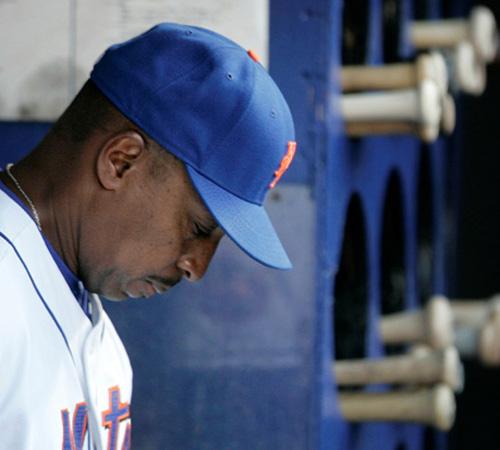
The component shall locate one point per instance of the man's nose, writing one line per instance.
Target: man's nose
(194, 262)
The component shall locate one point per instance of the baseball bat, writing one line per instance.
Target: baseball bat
(474, 326)
(479, 29)
(448, 117)
(432, 325)
(483, 341)
(396, 76)
(474, 312)
(420, 106)
(433, 406)
(430, 367)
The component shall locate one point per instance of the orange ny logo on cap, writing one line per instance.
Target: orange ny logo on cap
(285, 163)
(253, 55)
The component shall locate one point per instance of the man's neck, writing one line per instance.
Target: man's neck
(39, 181)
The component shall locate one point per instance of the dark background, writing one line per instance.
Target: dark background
(477, 250)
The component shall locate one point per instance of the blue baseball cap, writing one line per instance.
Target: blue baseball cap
(211, 103)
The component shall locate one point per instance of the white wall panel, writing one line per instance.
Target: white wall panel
(48, 47)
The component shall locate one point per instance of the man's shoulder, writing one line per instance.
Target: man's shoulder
(17, 285)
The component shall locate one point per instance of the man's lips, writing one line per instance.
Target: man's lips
(159, 289)
(161, 285)
(149, 287)
(146, 288)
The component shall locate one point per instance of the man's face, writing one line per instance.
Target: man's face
(145, 237)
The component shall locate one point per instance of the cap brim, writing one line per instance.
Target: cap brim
(247, 224)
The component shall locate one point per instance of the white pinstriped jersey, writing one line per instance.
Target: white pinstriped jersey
(65, 381)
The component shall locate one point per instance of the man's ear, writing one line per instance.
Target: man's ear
(118, 156)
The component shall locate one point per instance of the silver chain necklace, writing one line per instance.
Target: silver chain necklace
(21, 190)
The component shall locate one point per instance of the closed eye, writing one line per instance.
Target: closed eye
(202, 231)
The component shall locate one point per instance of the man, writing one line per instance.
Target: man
(173, 142)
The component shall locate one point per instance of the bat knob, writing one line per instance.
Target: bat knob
(439, 322)
(453, 371)
(433, 65)
(430, 109)
(444, 407)
(483, 31)
(470, 72)
(489, 340)
(449, 115)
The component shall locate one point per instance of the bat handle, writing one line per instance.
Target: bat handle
(432, 406)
